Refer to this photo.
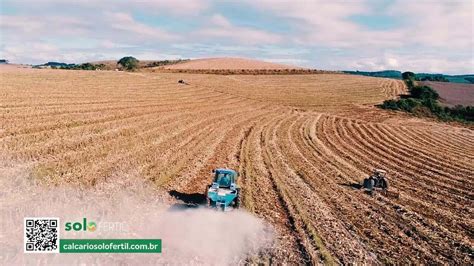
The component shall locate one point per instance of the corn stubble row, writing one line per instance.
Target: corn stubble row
(300, 142)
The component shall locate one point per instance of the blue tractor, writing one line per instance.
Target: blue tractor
(223, 192)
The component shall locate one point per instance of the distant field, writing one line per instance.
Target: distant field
(453, 93)
(301, 144)
(229, 64)
(216, 64)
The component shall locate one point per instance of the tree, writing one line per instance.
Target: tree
(87, 66)
(410, 84)
(408, 104)
(390, 104)
(424, 92)
(128, 62)
(408, 75)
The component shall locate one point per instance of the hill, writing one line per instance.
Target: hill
(112, 64)
(380, 74)
(450, 78)
(228, 63)
(395, 74)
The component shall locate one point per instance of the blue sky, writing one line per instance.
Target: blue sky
(422, 36)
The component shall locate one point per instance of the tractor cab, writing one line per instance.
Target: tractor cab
(223, 192)
(224, 177)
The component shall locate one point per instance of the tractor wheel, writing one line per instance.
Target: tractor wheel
(237, 200)
(384, 184)
(369, 184)
(211, 203)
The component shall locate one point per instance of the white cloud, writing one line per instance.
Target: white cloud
(426, 63)
(428, 36)
(183, 7)
(125, 22)
(392, 62)
(23, 52)
(444, 24)
(319, 22)
(286, 61)
(220, 21)
(25, 38)
(35, 26)
(109, 24)
(220, 27)
(178, 7)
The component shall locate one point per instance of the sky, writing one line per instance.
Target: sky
(423, 36)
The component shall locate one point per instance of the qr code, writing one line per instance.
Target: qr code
(41, 235)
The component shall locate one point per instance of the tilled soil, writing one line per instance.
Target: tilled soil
(302, 145)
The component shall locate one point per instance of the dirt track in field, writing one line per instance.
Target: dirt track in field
(301, 144)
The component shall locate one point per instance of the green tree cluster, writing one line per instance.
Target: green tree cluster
(85, 66)
(165, 62)
(439, 78)
(129, 63)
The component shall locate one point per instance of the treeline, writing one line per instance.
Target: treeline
(85, 66)
(439, 78)
(423, 100)
(165, 62)
(125, 63)
(128, 63)
(248, 71)
(57, 65)
(380, 74)
(395, 74)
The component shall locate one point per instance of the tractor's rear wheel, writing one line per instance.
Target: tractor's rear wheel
(368, 184)
(209, 202)
(383, 184)
(237, 202)
(238, 199)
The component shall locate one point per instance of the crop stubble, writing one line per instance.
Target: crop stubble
(300, 142)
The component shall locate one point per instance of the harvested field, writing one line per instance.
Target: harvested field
(301, 143)
(453, 93)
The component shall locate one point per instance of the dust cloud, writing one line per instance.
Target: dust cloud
(125, 207)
